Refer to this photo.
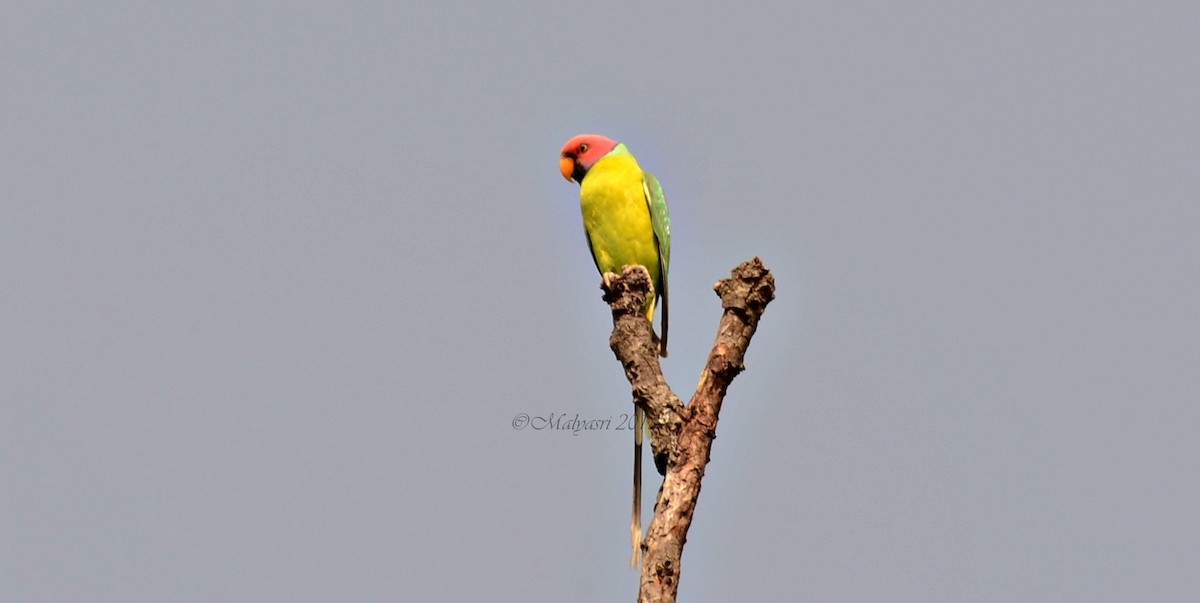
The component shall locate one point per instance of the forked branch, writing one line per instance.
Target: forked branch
(682, 436)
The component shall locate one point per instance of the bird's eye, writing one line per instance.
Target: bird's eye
(583, 148)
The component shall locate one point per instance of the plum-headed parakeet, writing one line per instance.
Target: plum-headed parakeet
(626, 222)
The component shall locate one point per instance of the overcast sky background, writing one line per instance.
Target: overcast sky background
(276, 277)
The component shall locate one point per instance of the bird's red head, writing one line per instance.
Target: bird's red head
(581, 152)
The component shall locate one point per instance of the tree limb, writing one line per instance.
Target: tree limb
(682, 436)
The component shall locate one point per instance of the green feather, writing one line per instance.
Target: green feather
(660, 219)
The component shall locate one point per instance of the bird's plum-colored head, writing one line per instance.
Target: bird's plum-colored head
(581, 152)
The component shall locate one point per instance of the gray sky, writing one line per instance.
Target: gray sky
(277, 277)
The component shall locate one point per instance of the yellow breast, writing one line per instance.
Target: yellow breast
(616, 216)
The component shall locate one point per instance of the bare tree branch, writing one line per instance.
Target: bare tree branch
(682, 436)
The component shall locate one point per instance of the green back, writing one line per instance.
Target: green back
(660, 219)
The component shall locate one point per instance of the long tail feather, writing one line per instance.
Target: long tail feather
(635, 523)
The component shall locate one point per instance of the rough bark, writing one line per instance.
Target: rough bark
(682, 436)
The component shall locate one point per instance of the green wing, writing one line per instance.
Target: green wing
(660, 219)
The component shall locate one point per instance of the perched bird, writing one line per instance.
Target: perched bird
(626, 222)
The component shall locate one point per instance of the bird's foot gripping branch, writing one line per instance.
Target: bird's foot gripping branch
(682, 436)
